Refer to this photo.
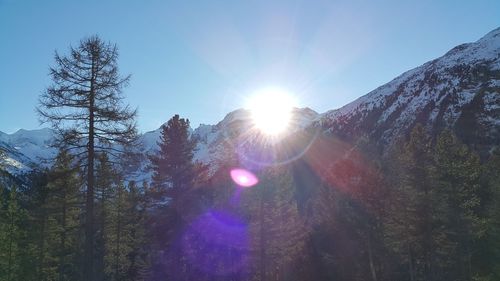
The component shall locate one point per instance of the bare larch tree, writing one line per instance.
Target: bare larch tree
(85, 106)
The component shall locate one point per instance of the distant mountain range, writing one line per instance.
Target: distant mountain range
(459, 91)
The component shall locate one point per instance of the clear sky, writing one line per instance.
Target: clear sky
(201, 58)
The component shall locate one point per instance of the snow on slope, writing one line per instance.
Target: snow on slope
(436, 94)
(461, 87)
(213, 139)
(26, 149)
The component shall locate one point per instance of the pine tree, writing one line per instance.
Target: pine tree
(105, 185)
(36, 226)
(85, 106)
(173, 175)
(126, 246)
(412, 226)
(11, 235)
(362, 210)
(117, 236)
(347, 209)
(492, 239)
(137, 215)
(277, 231)
(458, 176)
(62, 211)
(173, 166)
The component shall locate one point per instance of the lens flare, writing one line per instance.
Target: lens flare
(213, 245)
(271, 110)
(243, 177)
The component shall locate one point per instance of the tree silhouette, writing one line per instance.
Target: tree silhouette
(85, 106)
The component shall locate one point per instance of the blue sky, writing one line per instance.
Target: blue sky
(200, 59)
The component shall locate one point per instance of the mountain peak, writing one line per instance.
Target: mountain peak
(460, 91)
(486, 48)
(492, 35)
(461, 87)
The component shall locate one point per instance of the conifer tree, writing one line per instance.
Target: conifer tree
(492, 250)
(137, 215)
(173, 175)
(414, 215)
(36, 253)
(458, 178)
(278, 232)
(362, 209)
(105, 185)
(85, 107)
(347, 210)
(63, 206)
(126, 256)
(115, 258)
(11, 235)
(173, 165)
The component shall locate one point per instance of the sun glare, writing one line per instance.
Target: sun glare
(271, 110)
(243, 177)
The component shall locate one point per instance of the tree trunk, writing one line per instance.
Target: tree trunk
(427, 234)
(370, 259)
(11, 238)
(100, 243)
(62, 259)
(88, 272)
(41, 247)
(469, 263)
(118, 235)
(410, 264)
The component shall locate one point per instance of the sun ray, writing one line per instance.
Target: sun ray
(271, 110)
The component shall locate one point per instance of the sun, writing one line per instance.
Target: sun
(271, 110)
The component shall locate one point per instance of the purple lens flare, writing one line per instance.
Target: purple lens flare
(243, 177)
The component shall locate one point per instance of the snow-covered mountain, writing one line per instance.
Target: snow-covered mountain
(26, 150)
(236, 128)
(460, 91)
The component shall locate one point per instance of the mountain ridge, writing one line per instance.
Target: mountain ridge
(459, 90)
(434, 94)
